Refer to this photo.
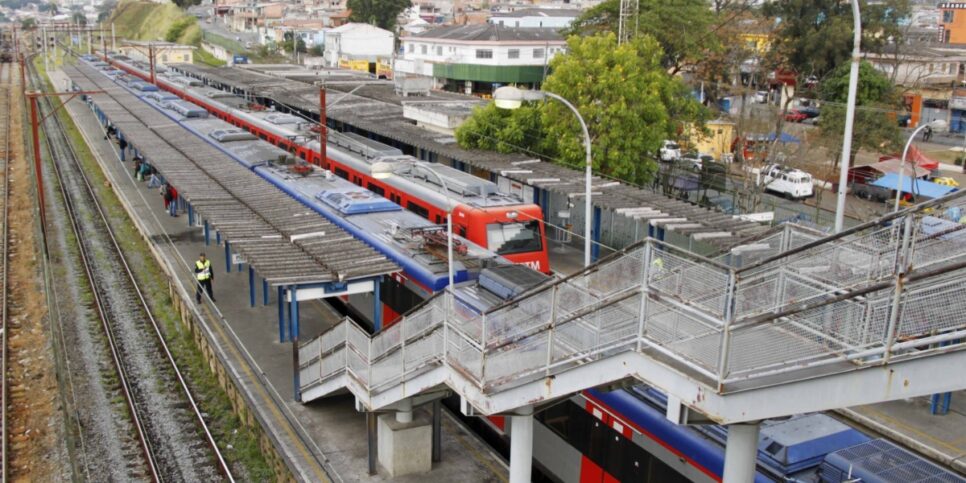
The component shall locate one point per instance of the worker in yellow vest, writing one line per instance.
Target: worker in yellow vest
(204, 275)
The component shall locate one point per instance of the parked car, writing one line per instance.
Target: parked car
(670, 151)
(810, 112)
(761, 97)
(788, 182)
(695, 160)
(795, 116)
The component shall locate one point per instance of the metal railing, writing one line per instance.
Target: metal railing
(789, 301)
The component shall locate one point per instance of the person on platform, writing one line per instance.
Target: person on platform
(204, 275)
(166, 196)
(173, 203)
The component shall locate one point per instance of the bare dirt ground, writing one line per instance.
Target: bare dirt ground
(38, 450)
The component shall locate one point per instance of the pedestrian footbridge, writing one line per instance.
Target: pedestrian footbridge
(793, 321)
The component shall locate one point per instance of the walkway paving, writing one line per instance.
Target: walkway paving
(321, 440)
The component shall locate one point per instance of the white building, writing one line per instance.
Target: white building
(478, 58)
(358, 42)
(920, 65)
(536, 18)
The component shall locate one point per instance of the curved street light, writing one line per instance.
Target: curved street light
(509, 97)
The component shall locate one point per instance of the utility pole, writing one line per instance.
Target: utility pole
(113, 40)
(35, 130)
(44, 33)
(323, 127)
(151, 62)
(89, 42)
(629, 10)
(38, 168)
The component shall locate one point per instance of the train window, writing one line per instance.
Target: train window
(419, 210)
(377, 189)
(509, 238)
(461, 231)
(617, 455)
(399, 298)
(439, 220)
(341, 173)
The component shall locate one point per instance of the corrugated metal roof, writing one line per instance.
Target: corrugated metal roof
(283, 240)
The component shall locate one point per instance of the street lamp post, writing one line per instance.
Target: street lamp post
(902, 162)
(509, 97)
(849, 117)
(383, 170)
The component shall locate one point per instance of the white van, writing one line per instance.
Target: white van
(670, 151)
(788, 182)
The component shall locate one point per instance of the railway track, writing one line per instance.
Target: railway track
(6, 98)
(170, 430)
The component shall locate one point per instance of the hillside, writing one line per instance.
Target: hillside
(139, 20)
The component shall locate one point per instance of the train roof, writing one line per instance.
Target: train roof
(464, 187)
(879, 461)
(377, 109)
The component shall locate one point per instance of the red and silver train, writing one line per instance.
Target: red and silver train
(499, 222)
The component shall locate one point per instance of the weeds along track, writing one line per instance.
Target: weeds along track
(167, 429)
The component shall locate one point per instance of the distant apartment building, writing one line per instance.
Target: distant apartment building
(476, 59)
(164, 52)
(952, 22)
(360, 46)
(535, 18)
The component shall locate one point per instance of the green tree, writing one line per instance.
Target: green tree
(626, 96)
(876, 103)
(28, 24)
(624, 93)
(381, 13)
(177, 29)
(502, 130)
(684, 28)
(79, 19)
(815, 36)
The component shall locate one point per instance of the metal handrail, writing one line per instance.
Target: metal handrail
(568, 340)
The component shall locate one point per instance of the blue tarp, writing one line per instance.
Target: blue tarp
(785, 138)
(923, 188)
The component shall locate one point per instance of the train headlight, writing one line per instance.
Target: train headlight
(512, 215)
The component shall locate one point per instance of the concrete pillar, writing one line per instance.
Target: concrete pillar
(521, 448)
(405, 412)
(741, 453)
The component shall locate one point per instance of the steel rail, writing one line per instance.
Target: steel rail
(4, 390)
(223, 465)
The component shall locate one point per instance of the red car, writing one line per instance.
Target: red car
(795, 116)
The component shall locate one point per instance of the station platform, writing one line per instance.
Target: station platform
(321, 441)
(910, 423)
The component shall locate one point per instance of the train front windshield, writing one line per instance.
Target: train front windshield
(510, 238)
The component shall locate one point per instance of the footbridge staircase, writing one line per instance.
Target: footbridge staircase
(790, 322)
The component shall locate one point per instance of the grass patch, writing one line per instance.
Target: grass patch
(239, 443)
(202, 56)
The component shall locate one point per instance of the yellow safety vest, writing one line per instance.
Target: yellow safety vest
(204, 269)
